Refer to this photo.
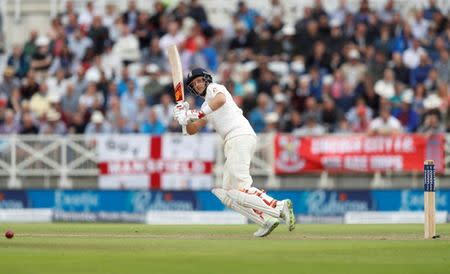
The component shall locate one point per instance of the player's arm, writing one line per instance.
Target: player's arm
(194, 127)
(217, 102)
(207, 108)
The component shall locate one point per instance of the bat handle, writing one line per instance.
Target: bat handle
(184, 130)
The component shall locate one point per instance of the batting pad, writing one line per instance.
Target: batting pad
(255, 199)
(221, 194)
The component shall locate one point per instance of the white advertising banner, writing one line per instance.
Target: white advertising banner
(169, 162)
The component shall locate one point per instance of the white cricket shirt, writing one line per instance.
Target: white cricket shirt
(227, 120)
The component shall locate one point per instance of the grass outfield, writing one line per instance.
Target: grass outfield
(135, 248)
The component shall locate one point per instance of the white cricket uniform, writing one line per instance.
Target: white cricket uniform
(238, 135)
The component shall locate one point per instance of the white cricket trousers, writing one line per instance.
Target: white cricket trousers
(238, 152)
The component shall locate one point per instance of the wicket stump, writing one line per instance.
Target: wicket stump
(429, 180)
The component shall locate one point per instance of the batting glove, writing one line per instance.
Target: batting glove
(180, 109)
(194, 115)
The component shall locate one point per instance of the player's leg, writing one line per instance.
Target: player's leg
(238, 152)
(257, 199)
(267, 224)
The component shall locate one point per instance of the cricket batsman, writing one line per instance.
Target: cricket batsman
(239, 139)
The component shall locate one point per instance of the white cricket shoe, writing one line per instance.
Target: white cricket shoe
(269, 225)
(287, 214)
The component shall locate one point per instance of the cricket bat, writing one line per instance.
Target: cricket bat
(177, 76)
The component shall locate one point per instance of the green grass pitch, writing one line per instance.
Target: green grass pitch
(136, 248)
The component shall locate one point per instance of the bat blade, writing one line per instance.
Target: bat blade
(177, 76)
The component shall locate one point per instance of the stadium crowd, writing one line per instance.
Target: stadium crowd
(369, 71)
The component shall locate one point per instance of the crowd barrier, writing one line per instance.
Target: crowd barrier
(176, 162)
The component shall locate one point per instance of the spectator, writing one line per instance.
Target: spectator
(92, 99)
(246, 86)
(131, 15)
(431, 10)
(109, 16)
(143, 30)
(18, 62)
(412, 56)
(163, 110)
(122, 84)
(9, 82)
(419, 25)
(98, 34)
(376, 64)
(432, 124)
(257, 115)
(142, 114)
(39, 103)
(9, 125)
(27, 124)
(197, 12)
(385, 43)
(114, 110)
(272, 122)
(79, 44)
(122, 126)
(281, 108)
(419, 74)
(77, 124)
(53, 124)
(152, 125)
(111, 62)
(242, 39)
(64, 61)
(443, 66)
(173, 36)
(159, 11)
(319, 58)
(129, 101)
(153, 54)
(388, 12)
(343, 127)
(69, 102)
(331, 115)
(408, 118)
(432, 81)
(359, 116)
(310, 128)
(312, 108)
(294, 122)
(98, 125)
(400, 70)
(70, 24)
(15, 100)
(385, 124)
(86, 16)
(58, 83)
(353, 70)
(153, 89)
(30, 46)
(335, 41)
(246, 15)
(386, 86)
(41, 59)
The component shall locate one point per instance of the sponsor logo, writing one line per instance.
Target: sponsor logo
(321, 203)
(289, 159)
(80, 201)
(413, 200)
(10, 199)
(145, 200)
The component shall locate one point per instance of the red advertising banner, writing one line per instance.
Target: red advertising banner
(356, 153)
